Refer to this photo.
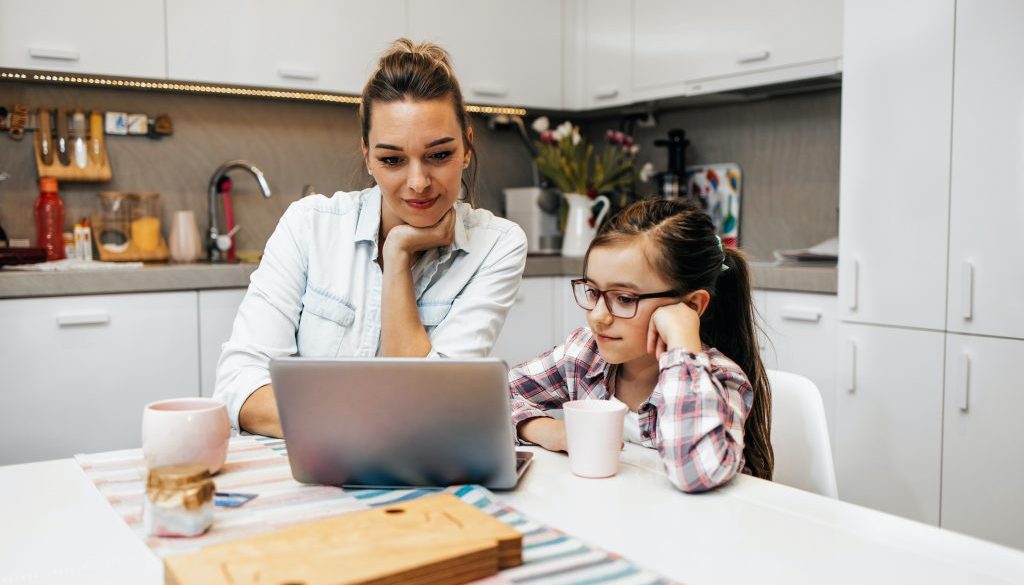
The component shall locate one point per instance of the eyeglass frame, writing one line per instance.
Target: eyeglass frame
(608, 305)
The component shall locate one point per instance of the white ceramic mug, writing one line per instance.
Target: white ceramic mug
(594, 432)
(186, 430)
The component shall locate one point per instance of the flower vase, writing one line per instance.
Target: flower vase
(578, 229)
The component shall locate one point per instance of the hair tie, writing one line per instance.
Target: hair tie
(722, 250)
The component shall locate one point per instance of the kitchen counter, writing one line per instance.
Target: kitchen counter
(170, 277)
(60, 529)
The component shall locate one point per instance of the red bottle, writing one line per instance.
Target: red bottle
(49, 212)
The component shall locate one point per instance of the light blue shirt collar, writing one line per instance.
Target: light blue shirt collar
(368, 224)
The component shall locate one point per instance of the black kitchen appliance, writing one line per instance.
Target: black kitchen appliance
(672, 182)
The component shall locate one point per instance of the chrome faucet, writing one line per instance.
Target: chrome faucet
(214, 248)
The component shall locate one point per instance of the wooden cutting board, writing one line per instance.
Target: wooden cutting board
(433, 539)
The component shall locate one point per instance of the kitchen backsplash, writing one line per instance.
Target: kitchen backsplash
(788, 148)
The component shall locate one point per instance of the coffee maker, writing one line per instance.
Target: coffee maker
(536, 211)
(672, 183)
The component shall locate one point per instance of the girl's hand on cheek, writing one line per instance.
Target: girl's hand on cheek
(408, 239)
(673, 326)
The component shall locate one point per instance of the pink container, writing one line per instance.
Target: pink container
(186, 430)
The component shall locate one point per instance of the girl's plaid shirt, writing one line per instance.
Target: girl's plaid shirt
(694, 416)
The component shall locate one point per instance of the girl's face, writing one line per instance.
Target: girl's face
(624, 267)
(417, 155)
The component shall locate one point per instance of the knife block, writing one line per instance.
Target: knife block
(94, 171)
(436, 539)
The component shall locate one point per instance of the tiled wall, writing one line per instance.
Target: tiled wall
(787, 146)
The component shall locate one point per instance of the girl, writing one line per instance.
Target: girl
(399, 270)
(671, 335)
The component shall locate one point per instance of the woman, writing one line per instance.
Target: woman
(402, 269)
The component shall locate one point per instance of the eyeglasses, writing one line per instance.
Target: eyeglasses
(620, 303)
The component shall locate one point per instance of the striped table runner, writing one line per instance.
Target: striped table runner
(260, 465)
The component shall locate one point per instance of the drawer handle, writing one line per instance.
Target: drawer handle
(967, 291)
(489, 90)
(53, 54)
(306, 74)
(753, 56)
(72, 319)
(606, 93)
(965, 382)
(850, 378)
(801, 314)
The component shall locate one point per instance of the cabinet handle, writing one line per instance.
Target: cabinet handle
(753, 56)
(851, 284)
(489, 90)
(306, 74)
(801, 314)
(606, 93)
(850, 383)
(54, 54)
(967, 291)
(965, 381)
(97, 318)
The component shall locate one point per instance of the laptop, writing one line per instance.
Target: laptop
(398, 422)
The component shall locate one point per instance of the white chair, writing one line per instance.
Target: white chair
(803, 455)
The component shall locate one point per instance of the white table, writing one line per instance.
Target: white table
(58, 529)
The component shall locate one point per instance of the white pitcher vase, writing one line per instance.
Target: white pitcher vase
(578, 232)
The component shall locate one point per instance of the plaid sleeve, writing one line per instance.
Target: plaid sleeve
(700, 423)
(540, 384)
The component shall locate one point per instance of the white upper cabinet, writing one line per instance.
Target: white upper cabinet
(117, 37)
(306, 44)
(503, 52)
(894, 162)
(604, 44)
(686, 47)
(986, 274)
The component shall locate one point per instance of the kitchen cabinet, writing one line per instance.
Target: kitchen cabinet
(217, 310)
(77, 371)
(894, 162)
(122, 37)
(503, 53)
(986, 276)
(801, 338)
(689, 47)
(600, 37)
(308, 44)
(532, 324)
(888, 407)
(982, 479)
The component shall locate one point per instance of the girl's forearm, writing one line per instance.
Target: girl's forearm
(546, 432)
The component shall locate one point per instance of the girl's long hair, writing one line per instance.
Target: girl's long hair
(687, 253)
(418, 72)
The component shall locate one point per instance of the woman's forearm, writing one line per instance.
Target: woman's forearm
(258, 414)
(401, 331)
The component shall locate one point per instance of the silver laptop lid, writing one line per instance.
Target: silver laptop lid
(396, 421)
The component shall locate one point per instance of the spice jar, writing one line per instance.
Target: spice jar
(145, 221)
(113, 221)
(179, 500)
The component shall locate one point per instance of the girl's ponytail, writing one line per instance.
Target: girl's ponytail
(729, 325)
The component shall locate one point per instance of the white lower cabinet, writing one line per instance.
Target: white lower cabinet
(532, 323)
(888, 407)
(801, 337)
(217, 310)
(77, 371)
(982, 476)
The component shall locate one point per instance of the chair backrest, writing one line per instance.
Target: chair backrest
(803, 455)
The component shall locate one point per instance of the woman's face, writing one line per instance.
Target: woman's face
(624, 267)
(417, 154)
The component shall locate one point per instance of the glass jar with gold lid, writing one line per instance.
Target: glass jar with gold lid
(145, 226)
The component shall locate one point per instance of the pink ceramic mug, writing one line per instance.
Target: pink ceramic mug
(186, 430)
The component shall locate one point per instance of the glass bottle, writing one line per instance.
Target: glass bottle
(49, 216)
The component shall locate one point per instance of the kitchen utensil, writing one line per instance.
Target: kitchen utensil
(436, 539)
(97, 154)
(45, 133)
(717, 187)
(536, 211)
(579, 230)
(185, 430)
(63, 146)
(594, 435)
(185, 245)
(80, 155)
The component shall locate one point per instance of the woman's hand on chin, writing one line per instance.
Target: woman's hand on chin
(408, 240)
